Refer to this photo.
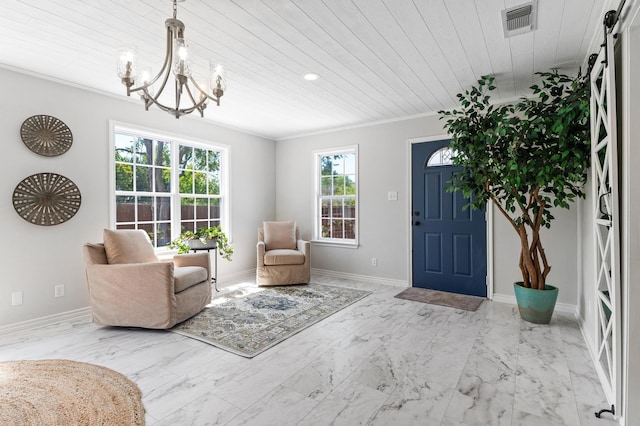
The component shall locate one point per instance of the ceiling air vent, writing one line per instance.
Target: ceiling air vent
(520, 19)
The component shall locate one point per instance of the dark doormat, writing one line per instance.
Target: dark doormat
(451, 300)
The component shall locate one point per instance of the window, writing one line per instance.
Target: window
(166, 186)
(336, 216)
(442, 157)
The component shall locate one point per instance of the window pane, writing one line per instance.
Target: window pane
(163, 208)
(187, 208)
(336, 208)
(185, 157)
(349, 161)
(338, 185)
(202, 224)
(145, 209)
(326, 228)
(163, 234)
(162, 179)
(126, 226)
(186, 182)
(338, 165)
(187, 226)
(125, 209)
(326, 166)
(144, 151)
(214, 183)
(163, 154)
(200, 159)
(337, 231)
(350, 229)
(325, 186)
(350, 207)
(124, 148)
(124, 177)
(350, 185)
(143, 178)
(214, 208)
(442, 157)
(200, 183)
(326, 208)
(214, 161)
(202, 208)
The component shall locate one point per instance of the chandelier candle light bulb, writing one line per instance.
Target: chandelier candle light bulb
(178, 60)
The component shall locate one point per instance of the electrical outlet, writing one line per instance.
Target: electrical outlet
(392, 195)
(16, 298)
(58, 291)
(374, 261)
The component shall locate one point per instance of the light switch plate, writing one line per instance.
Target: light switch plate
(16, 298)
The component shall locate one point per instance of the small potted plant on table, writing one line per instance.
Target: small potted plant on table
(204, 238)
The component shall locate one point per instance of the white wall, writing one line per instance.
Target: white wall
(587, 281)
(384, 225)
(35, 258)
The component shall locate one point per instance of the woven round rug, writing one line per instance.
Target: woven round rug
(63, 392)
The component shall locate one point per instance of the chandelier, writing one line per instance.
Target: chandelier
(189, 95)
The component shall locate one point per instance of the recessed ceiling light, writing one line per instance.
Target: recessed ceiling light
(311, 76)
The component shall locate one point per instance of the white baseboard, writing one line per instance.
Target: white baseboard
(364, 278)
(511, 300)
(82, 313)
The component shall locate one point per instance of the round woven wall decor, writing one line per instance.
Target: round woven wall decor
(46, 199)
(46, 135)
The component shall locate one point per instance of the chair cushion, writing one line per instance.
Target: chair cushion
(128, 246)
(283, 257)
(188, 276)
(279, 235)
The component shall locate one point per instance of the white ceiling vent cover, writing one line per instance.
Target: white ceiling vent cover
(520, 19)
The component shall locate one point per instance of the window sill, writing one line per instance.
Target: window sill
(323, 243)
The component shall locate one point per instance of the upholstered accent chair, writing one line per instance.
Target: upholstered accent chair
(130, 287)
(283, 258)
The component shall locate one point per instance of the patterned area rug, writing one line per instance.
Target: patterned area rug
(251, 319)
(441, 298)
(56, 392)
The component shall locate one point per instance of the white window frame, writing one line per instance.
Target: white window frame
(174, 193)
(317, 210)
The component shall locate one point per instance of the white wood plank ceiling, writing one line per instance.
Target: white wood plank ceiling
(378, 59)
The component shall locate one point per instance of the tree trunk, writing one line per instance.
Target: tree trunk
(527, 264)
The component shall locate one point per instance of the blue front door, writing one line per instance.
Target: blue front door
(449, 243)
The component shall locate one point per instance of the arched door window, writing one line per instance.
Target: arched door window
(442, 157)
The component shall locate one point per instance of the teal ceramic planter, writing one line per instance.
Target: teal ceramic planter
(536, 306)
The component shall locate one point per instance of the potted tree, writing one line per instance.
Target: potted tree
(525, 158)
(210, 237)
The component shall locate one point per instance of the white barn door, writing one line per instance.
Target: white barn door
(604, 165)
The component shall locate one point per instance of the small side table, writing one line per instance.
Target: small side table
(214, 278)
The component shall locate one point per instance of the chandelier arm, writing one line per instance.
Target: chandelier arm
(165, 70)
(204, 92)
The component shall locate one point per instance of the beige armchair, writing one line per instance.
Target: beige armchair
(283, 258)
(130, 287)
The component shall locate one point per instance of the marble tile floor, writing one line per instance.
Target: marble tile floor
(381, 361)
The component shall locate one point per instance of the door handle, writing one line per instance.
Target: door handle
(416, 213)
(416, 223)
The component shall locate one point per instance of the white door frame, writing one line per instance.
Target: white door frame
(488, 217)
